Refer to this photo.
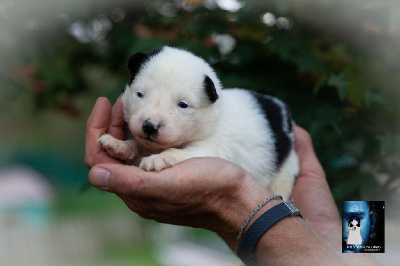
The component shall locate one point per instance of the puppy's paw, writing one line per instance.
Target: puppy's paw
(119, 149)
(158, 162)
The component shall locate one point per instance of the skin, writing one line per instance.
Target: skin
(217, 195)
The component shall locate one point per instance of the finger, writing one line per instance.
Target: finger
(97, 125)
(311, 184)
(134, 181)
(117, 122)
(100, 116)
(121, 179)
(304, 146)
(309, 163)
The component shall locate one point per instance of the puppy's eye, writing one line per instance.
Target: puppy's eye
(139, 94)
(183, 105)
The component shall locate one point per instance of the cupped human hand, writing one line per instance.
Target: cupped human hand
(103, 119)
(208, 193)
(311, 192)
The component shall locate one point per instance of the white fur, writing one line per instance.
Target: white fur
(233, 128)
(354, 234)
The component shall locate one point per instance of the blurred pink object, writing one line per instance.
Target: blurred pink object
(21, 185)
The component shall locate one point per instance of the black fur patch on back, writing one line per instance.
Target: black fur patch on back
(281, 125)
(210, 89)
(137, 60)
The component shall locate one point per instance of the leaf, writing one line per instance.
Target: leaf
(340, 82)
(388, 144)
(344, 161)
(374, 96)
(320, 83)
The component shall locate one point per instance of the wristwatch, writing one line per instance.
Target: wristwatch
(261, 225)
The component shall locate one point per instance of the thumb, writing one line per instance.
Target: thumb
(309, 163)
(119, 179)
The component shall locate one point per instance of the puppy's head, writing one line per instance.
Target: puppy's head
(171, 98)
(354, 224)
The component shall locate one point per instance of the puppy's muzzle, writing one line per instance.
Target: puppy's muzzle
(150, 129)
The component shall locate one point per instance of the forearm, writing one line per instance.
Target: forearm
(332, 236)
(289, 242)
(292, 242)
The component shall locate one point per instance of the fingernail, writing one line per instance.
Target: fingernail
(99, 177)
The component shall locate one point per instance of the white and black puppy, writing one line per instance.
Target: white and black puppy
(176, 109)
(354, 237)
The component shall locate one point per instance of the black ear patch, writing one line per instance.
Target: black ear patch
(210, 89)
(137, 60)
(134, 64)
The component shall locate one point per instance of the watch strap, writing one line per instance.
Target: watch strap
(261, 225)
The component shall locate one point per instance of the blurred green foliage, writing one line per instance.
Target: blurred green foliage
(335, 63)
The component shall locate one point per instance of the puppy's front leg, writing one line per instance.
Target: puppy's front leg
(120, 149)
(165, 159)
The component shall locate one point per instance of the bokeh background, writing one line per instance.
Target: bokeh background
(336, 63)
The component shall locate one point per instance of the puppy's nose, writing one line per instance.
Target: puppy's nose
(149, 128)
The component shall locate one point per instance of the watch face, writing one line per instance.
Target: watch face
(363, 227)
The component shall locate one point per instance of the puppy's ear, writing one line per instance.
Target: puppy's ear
(134, 64)
(210, 89)
(137, 60)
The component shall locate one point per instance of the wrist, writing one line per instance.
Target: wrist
(300, 243)
(240, 204)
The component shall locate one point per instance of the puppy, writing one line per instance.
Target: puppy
(354, 237)
(176, 109)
